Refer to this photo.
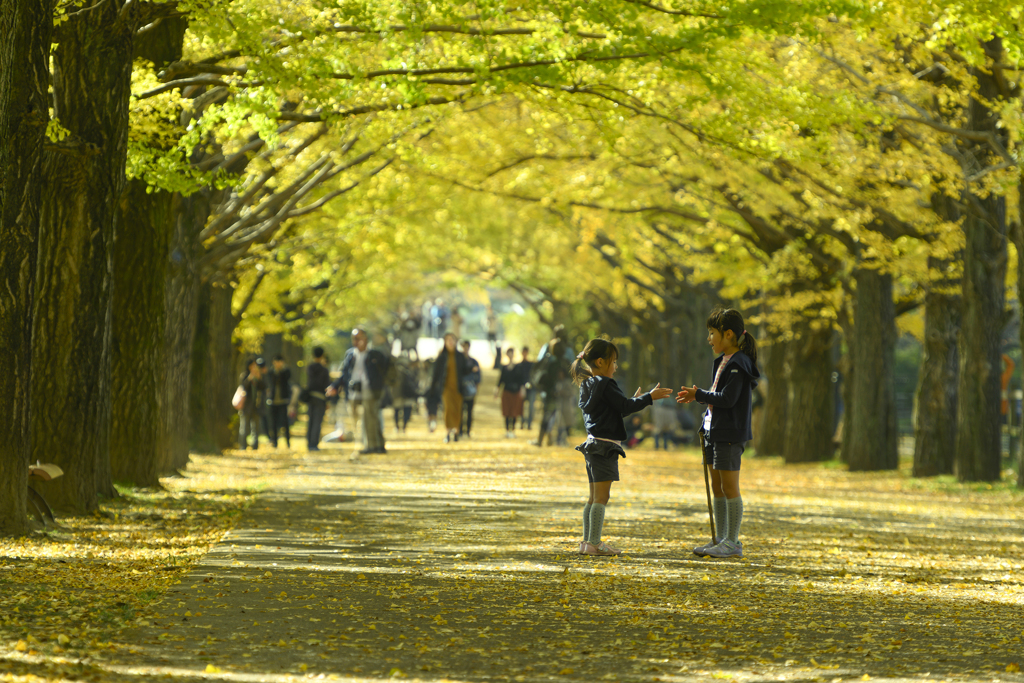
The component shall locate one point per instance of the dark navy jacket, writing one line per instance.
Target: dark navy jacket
(730, 420)
(375, 364)
(604, 405)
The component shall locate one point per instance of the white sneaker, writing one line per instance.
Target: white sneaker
(726, 548)
(702, 550)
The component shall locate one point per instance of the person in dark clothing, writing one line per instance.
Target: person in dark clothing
(279, 398)
(405, 390)
(449, 375)
(726, 426)
(318, 378)
(510, 384)
(471, 383)
(363, 375)
(604, 405)
(525, 370)
(250, 415)
(549, 375)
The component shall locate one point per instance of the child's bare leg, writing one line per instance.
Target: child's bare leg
(729, 481)
(716, 484)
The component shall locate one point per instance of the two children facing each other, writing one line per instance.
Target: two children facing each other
(725, 428)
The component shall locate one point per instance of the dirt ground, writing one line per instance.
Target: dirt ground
(457, 562)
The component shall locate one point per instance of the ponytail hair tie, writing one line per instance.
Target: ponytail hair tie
(579, 356)
(744, 332)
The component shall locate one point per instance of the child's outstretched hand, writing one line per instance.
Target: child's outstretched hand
(657, 392)
(686, 395)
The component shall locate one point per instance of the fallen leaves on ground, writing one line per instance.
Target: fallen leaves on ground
(457, 562)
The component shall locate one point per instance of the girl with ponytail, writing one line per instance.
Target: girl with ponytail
(604, 405)
(726, 425)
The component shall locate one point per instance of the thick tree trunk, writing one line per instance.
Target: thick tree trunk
(873, 441)
(1019, 238)
(140, 318)
(773, 421)
(182, 315)
(936, 401)
(141, 262)
(214, 376)
(810, 418)
(72, 322)
(979, 449)
(26, 27)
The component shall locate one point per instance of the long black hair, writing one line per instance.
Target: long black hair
(594, 350)
(723, 319)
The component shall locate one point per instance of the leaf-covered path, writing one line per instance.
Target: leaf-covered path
(456, 562)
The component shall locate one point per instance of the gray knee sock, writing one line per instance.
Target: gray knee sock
(735, 506)
(586, 521)
(596, 523)
(721, 518)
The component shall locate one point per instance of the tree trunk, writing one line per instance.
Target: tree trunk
(26, 27)
(979, 449)
(72, 321)
(936, 401)
(182, 315)
(773, 421)
(1019, 239)
(872, 439)
(140, 318)
(810, 417)
(214, 373)
(141, 261)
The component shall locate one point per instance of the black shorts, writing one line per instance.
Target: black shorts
(722, 455)
(602, 459)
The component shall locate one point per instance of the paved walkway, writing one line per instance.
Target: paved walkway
(455, 562)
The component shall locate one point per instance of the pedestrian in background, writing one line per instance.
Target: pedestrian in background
(525, 370)
(363, 375)
(510, 382)
(250, 414)
(471, 383)
(318, 378)
(449, 375)
(279, 399)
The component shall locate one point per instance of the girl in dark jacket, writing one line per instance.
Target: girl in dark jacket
(726, 425)
(604, 405)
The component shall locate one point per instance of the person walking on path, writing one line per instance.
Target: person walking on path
(470, 385)
(279, 400)
(492, 331)
(318, 378)
(363, 376)
(405, 390)
(551, 377)
(525, 370)
(726, 424)
(449, 375)
(510, 384)
(251, 413)
(604, 405)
